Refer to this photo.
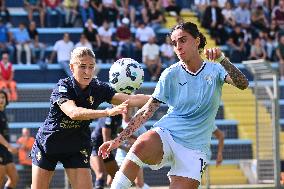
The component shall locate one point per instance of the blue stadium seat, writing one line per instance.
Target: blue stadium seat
(14, 3)
(281, 91)
(233, 149)
(33, 74)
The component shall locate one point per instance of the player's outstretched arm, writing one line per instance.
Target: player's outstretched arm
(142, 115)
(235, 77)
(220, 136)
(78, 113)
(137, 100)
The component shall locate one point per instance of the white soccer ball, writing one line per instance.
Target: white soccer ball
(126, 75)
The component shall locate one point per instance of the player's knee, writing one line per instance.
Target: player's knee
(143, 143)
(148, 146)
(139, 146)
(13, 179)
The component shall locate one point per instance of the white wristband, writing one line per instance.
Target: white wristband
(220, 58)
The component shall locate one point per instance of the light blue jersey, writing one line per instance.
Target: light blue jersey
(193, 100)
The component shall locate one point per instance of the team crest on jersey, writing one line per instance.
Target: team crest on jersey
(91, 100)
(62, 89)
(209, 79)
(38, 156)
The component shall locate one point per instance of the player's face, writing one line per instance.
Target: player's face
(185, 46)
(2, 101)
(83, 70)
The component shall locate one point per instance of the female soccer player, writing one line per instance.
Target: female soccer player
(7, 166)
(192, 89)
(65, 135)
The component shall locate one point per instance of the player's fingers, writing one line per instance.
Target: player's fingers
(210, 54)
(125, 110)
(103, 154)
(100, 151)
(109, 149)
(214, 52)
(102, 148)
(126, 102)
(205, 52)
(122, 109)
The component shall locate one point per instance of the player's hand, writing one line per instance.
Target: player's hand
(219, 159)
(106, 147)
(119, 109)
(213, 53)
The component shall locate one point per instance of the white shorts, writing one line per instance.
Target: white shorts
(184, 162)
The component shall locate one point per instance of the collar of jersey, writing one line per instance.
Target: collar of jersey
(192, 73)
(78, 90)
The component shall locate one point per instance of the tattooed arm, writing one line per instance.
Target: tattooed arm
(235, 77)
(142, 115)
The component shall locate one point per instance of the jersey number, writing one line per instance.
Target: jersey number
(203, 166)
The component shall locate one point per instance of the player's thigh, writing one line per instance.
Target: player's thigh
(149, 148)
(41, 177)
(178, 182)
(111, 167)
(97, 164)
(80, 178)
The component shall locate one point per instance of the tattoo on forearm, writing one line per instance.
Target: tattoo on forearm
(142, 115)
(236, 75)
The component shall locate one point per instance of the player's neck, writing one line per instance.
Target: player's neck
(194, 65)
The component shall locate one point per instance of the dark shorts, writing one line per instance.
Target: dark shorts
(5, 156)
(48, 162)
(95, 153)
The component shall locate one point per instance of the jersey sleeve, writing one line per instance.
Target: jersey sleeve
(61, 93)
(162, 90)
(222, 74)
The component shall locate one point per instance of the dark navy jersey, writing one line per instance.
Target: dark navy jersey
(59, 133)
(4, 130)
(113, 123)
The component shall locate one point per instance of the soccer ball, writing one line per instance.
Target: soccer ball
(126, 75)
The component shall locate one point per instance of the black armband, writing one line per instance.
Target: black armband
(61, 101)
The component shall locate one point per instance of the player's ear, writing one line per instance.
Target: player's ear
(71, 66)
(197, 40)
